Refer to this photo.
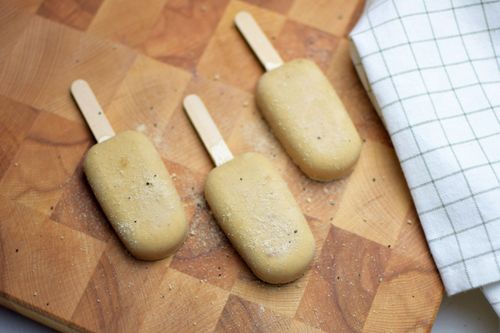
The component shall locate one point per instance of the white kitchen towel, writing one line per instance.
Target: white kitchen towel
(432, 70)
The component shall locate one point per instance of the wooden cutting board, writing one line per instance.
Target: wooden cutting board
(61, 263)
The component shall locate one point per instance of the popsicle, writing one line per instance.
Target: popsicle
(253, 206)
(302, 109)
(132, 185)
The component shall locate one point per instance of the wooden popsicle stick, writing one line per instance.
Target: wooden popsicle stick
(207, 130)
(255, 37)
(91, 110)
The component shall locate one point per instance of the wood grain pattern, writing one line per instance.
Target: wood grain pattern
(60, 262)
(243, 316)
(126, 21)
(345, 283)
(280, 6)
(297, 40)
(75, 13)
(52, 281)
(45, 162)
(333, 16)
(188, 27)
(15, 122)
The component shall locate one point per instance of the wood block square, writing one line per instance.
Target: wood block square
(240, 315)
(280, 6)
(206, 253)
(147, 97)
(45, 265)
(284, 298)
(297, 40)
(181, 143)
(13, 21)
(375, 202)
(120, 291)
(15, 121)
(228, 57)
(53, 144)
(341, 289)
(75, 13)
(184, 304)
(26, 6)
(78, 208)
(333, 16)
(183, 30)
(407, 299)
(58, 55)
(126, 21)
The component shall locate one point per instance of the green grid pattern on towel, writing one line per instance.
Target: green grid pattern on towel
(390, 82)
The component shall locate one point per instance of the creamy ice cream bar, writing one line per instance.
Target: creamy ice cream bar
(259, 215)
(254, 207)
(132, 185)
(135, 191)
(309, 119)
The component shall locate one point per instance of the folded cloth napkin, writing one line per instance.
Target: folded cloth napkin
(432, 70)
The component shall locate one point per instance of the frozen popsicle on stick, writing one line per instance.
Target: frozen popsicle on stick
(303, 110)
(131, 183)
(253, 206)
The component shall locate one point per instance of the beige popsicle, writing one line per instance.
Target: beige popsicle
(132, 185)
(253, 206)
(303, 110)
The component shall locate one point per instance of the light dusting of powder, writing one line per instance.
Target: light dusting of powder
(317, 194)
(138, 186)
(141, 128)
(154, 190)
(260, 138)
(203, 229)
(271, 218)
(80, 208)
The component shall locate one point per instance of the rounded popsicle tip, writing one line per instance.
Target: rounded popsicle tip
(190, 99)
(335, 165)
(242, 15)
(78, 84)
(290, 264)
(283, 275)
(156, 246)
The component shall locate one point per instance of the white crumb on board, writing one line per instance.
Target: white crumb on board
(141, 128)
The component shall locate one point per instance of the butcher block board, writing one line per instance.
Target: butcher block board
(60, 261)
